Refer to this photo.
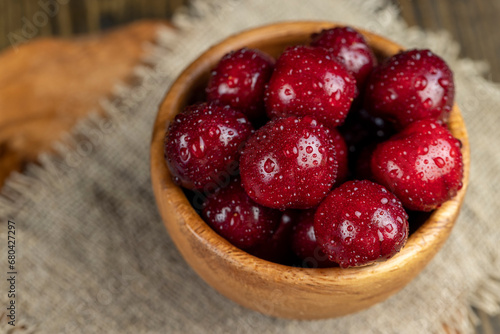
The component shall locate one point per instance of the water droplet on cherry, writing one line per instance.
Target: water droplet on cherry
(420, 83)
(184, 154)
(439, 162)
(443, 82)
(269, 166)
(198, 147)
(428, 103)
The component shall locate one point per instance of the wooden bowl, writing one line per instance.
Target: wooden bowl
(270, 288)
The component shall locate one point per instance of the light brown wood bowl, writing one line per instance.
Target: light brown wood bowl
(270, 288)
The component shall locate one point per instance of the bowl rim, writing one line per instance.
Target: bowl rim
(427, 238)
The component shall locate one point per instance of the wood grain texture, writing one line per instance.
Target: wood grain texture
(258, 284)
(46, 86)
(24, 20)
(472, 23)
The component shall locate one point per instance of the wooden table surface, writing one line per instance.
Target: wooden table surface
(472, 23)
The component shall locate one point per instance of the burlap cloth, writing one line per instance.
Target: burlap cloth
(93, 255)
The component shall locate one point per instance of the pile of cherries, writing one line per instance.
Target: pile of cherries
(317, 158)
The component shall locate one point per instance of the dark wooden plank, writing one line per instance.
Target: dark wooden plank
(487, 323)
(472, 23)
(75, 17)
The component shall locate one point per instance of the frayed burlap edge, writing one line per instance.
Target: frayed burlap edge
(19, 190)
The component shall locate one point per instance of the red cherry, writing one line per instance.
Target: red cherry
(304, 242)
(309, 81)
(360, 222)
(411, 86)
(239, 81)
(233, 215)
(278, 247)
(342, 156)
(203, 144)
(351, 48)
(289, 163)
(422, 165)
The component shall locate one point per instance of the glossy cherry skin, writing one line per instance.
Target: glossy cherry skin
(203, 144)
(411, 86)
(239, 81)
(341, 151)
(422, 165)
(360, 222)
(278, 248)
(351, 48)
(304, 243)
(309, 81)
(241, 221)
(289, 163)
